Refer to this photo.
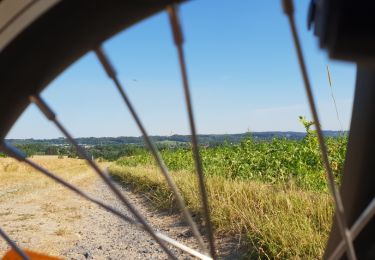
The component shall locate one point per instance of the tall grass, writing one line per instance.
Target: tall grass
(274, 192)
(277, 221)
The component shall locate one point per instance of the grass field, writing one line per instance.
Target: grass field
(37, 212)
(22, 178)
(272, 193)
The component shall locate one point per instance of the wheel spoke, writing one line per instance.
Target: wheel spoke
(357, 227)
(155, 153)
(18, 155)
(179, 40)
(44, 108)
(13, 245)
(340, 214)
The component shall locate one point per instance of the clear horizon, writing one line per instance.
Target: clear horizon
(242, 68)
(139, 136)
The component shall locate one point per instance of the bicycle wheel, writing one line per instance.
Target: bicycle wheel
(56, 42)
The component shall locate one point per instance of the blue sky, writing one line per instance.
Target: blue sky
(242, 68)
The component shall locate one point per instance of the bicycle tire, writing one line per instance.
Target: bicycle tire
(49, 41)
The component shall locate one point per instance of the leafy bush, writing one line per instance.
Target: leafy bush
(275, 161)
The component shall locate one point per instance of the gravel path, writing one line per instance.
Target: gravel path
(42, 216)
(104, 236)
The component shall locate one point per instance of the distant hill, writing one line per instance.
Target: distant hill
(209, 139)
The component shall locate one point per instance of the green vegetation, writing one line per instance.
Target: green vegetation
(112, 148)
(208, 139)
(107, 152)
(268, 187)
(273, 192)
(278, 161)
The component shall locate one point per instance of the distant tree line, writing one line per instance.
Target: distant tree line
(208, 139)
(112, 148)
(107, 152)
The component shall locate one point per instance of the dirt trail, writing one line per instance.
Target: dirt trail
(42, 216)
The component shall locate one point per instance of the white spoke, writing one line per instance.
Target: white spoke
(155, 153)
(13, 152)
(178, 40)
(52, 117)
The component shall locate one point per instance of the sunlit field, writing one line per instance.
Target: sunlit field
(272, 193)
(38, 213)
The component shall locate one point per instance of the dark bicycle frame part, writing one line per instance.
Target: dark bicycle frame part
(346, 29)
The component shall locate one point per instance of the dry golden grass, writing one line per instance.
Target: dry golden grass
(17, 178)
(36, 211)
(12, 170)
(278, 222)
